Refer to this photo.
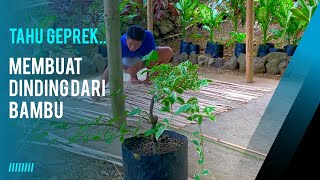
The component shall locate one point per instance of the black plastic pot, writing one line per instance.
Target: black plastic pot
(215, 50)
(275, 50)
(263, 50)
(271, 45)
(194, 48)
(102, 49)
(184, 47)
(171, 165)
(240, 48)
(290, 49)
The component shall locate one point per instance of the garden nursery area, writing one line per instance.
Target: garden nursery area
(192, 116)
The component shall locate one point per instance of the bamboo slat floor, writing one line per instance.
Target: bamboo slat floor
(224, 96)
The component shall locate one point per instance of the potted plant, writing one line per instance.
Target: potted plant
(156, 152)
(187, 10)
(211, 18)
(292, 27)
(195, 47)
(264, 17)
(239, 40)
(165, 152)
(236, 11)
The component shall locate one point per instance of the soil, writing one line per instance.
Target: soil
(57, 164)
(141, 145)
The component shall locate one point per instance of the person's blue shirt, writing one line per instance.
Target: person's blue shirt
(146, 47)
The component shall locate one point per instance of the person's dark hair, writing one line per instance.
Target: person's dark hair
(136, 33)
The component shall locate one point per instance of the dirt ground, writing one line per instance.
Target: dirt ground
(225, 162)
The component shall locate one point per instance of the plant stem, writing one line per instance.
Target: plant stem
(235, 23)
(201, 143)
(265, 35)
(211, 34)
(183, 29)
(154, 121)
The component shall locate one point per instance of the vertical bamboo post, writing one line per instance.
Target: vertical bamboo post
(249, 43)
(112, 23)
(150, 15)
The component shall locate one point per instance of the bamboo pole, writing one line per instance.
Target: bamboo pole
(150, 15)
(249, 48)
(112, 23)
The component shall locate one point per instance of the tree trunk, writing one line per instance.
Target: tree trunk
(249, 43)
(112, 23)
(150, 15)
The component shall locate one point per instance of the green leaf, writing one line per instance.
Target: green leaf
(201, 161)
(134, 111)
(167, 91)
(173, 98)
(313, 2)
(123, 127)
(166, 121)
(160, 131)
(196, 177)
(98, 119)
(180, 100)
(197, 108)
(152, 56)
(206, 28)
(165, 109)
(182, 109)
(303, 4)
(183, 70)
(179, 90)
(192, 100)
(96, 138)
(178, 6)
(204, 82)
(122, 139)
(193, 117)
(212, 117)
(196, 142)
(297, 13)
(149, 132)
(205, 172)
(199, 150)
(165, 101)
(200, 120)
(208, 110)
(195, 133)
